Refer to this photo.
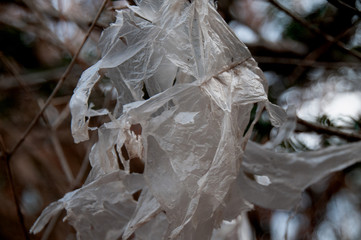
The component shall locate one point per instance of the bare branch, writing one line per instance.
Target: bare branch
(315, 54)
(347, 6)
(316, 30)
(63, 115)
(305, 62)
(84, 166)
(330, 130)
(4, 158)
(30, 79)
(60, 153)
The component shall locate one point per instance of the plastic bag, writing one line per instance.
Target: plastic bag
(190, 134)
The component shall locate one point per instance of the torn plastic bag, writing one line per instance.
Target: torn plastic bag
(99, 210)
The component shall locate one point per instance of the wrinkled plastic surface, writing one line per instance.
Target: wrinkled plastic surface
(290, 173)
(190, 134)
(106, 202)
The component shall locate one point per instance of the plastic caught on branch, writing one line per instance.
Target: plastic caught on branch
(190, 134)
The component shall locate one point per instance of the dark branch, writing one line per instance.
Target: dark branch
(305, 62)
(4, 159)
(316, 30)
(341, 4)
(330, 130)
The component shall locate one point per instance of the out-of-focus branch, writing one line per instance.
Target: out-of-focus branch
(315, 54)
(329, 130)
(4, 159)
(316, 30)
(75, 184)
(305, 62)
(29, 79)
(60, 153)
(13, 68)
(60, 82)
(346, 6)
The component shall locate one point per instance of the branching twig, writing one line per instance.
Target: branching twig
(59, 84)
(4, 157)
(16, 200)
(330, 130)
(316, 30)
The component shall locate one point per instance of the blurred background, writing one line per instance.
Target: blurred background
(309, 51)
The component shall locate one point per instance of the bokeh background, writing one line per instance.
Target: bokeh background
(309, 51)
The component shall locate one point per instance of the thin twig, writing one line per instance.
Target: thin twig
(59, 84)
(60, 153)
(11, 66)
(16, 200)
(60, 119)
(350, 8)
(50, 227)
(4, 157)
(315, 54)
(316, 30)
(56, 143)
(330, 130)
(304, 62)
(84, 165)
(29, 79)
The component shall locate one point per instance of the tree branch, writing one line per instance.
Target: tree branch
(339, 3)
(29, 79)
(330, 130)
(316, 30)
(305, 62)
(4, 157)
